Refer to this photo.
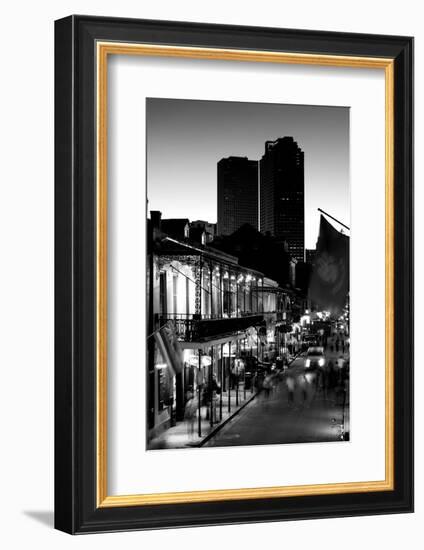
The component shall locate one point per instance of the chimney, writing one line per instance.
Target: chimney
(155, 218)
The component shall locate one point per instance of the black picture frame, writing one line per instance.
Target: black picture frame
(76, 505)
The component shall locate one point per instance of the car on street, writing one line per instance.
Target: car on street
(309, 340)
(315, 358)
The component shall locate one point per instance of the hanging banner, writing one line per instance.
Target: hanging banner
(329, 284)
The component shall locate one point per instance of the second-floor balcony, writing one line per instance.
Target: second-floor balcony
(277, 316)
(190, 328)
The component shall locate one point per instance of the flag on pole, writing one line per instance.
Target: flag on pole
(329, 284)
(169, 346)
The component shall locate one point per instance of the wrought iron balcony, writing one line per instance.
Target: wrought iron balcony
(281, 315)
(192, 329)
(277, 316)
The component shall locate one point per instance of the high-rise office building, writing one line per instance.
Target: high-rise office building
(282, 194)
(310, 254)
(237, 194)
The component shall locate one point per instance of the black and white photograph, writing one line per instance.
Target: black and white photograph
(247, 273)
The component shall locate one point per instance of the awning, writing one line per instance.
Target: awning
(204, 345)
(169, 346)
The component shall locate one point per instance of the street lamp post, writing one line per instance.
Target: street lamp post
(236, 370)
(229, 376)
(244, 371)
(237, 381)
(222, 381)
(257, 342)
(252, 376)
(211, 388)
(199, 427)
(237, 296)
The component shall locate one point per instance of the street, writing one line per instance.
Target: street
(312, 417)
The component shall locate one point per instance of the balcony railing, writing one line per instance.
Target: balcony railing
(279, 315)
(195, 316)
(198, 330)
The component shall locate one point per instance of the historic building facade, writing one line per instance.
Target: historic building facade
(210, 321)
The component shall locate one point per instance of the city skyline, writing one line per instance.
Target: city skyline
(195, 135)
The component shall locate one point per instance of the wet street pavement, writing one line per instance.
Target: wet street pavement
(273, 420)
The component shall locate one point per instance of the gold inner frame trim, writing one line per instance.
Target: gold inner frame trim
(104, 49)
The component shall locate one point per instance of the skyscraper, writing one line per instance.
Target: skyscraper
(310, 254)
(282, 194)
(237, 194)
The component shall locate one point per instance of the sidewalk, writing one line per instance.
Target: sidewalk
(180, 436)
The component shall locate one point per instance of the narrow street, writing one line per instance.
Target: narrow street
(272, 420)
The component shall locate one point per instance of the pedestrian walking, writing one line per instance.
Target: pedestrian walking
(302, 382)
(215, 391)
(340, 363)
(339, 383)
(325, 378)
(330, 379)
(291, 385)
(267, 385)
(319, 380)
(190, 413)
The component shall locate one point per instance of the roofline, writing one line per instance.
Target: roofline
(215, 254)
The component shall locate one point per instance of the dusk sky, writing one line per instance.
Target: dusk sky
(186, 139)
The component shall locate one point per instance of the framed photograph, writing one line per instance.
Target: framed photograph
(234, 274)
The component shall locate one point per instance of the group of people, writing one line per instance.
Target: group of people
(339, 345)
(331, 382)
(208, 396)
(301, 386)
